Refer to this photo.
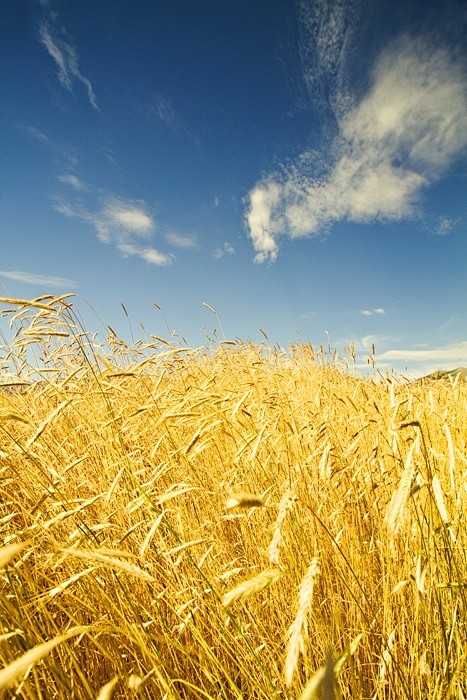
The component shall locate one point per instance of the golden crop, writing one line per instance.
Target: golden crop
(233, 523)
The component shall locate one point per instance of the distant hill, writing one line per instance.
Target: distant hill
(447, 374)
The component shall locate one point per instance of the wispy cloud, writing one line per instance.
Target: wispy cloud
(74, 182)
(123, 223)
(165, 111)
(60, 47)
(372, 312)
(187, 242)
(387, 145)
(220, 251)
(121, 218)
(62, 151)
(375, 340)
(448, 325)
(38, 135)
(150, 255)
(412, 361)
(445, 226)
(37, 280)
(427, 359)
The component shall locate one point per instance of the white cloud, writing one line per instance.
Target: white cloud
(181, 241)
(123, 223)
(38, 135)
(150, 255)
(445, 226)
(371, 312)
(367, 342)
(415, 361)
(419, 361)
(61, 49)
(63, 151)
(455, 353)
(69, 210)
(229, 249)
(399, 138)
(73, 181)
(35, 279)
(264, 220)
(120, 217)
(449, 324)
(164, 109)
(220, 251)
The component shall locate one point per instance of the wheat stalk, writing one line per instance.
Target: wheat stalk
(395, 514)
(298, 628)
(244, 500)
(251, 586)
(9, 674)
(286, 503)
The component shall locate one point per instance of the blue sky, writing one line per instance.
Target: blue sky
(298, 166)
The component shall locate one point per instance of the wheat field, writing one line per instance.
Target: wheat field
(233, 521)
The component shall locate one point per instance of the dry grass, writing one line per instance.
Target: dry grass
(338, 569)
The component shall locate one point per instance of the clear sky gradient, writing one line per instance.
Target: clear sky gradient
(298, 166)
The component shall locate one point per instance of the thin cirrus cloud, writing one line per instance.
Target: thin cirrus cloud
(60, 47)
(426, 359)
(372, 312)
(39, 136)
(455, 353)
(74, 182)
(387, 146)
(179, 240)
(37, 280)
(61, 150)
(164, 110)
(126, 224)
(369, 342)
(445, 226)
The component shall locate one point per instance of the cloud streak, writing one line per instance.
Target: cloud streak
(165, 111)
(124, 223)
(74, 182)
(451, 353)
(371, 312)
(37, 280)
(445, 226)
(61, 150)
(179, 240)
(421, 359)
(387, 145)
(60, 47)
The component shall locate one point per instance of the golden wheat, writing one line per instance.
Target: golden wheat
(124, 571)
(299, 627)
